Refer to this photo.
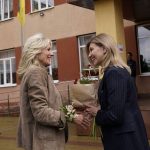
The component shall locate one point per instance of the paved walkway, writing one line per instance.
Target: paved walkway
(76, 142)
(89, 143)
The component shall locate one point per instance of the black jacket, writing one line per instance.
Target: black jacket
(120, 118)
(132, 64)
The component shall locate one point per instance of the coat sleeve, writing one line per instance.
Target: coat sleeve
(38, 97)
(116, 92)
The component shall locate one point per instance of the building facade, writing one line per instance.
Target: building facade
(69, 24)
(66, 23)
(129, 23)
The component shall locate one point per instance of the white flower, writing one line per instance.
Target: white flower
(69, 111)
(69, 108)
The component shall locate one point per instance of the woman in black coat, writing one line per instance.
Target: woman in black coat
(120, 119)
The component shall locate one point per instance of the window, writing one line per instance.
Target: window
(83, 3)
(6, 9)
(7, 68)
(143, 35)
(37, 5)
(85, 68)
(54, 64)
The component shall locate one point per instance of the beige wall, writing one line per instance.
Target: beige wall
(109, 20)
(9, 34)
(61, 21)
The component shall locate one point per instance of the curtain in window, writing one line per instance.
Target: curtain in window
(38, 5)
(7, 67)
(6, 9)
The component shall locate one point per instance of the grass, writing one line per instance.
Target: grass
(8, 129)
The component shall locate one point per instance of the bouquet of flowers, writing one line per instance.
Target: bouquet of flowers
(70, 112)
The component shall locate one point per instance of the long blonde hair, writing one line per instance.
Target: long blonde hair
(112, 56)
(32, 48)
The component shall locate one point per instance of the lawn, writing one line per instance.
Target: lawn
(8, 128)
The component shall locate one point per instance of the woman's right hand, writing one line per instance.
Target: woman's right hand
(92, 110)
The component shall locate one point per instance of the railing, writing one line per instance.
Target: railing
(9, 101)
(7, 104)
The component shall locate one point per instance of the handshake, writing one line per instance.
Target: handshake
(83, 118)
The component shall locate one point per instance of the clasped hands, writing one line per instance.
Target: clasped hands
(84, 119)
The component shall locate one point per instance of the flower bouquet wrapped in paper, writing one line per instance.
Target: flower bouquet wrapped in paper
(83, 93)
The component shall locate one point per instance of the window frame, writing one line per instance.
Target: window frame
(5, 72)
(50, 67)
(80, 61)
(139, 50)
(3, 11)
(39, 6)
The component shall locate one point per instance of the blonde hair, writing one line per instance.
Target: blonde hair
(32, 48)
(112, 56)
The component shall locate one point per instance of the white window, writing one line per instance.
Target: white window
(37, 5)
(7, 68)
(143, 35)
(54, 64)
(6, 9)
(85, 68)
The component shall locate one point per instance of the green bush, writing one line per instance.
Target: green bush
(85, 81)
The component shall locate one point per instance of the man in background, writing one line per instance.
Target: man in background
(132, 64)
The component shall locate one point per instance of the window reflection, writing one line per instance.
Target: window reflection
(0, 10)
(50, 3)
(11, 8)
(143, 64)
(144, 47)
(83, 3)
(8, 80)
(37, 5)
(6, 9)
(54, 62)
(1, 72)
(13, 66)
(43, 4)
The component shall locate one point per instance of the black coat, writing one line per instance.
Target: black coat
(132, 64)
(120, 118)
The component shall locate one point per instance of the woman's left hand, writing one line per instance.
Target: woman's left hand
(78, 119)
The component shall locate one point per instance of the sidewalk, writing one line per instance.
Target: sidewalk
(144, 105)
(8, 129)
(82, 142)
(75, 142)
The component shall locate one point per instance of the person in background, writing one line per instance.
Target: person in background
(119, 117)
(41, 123)
(132, 64)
